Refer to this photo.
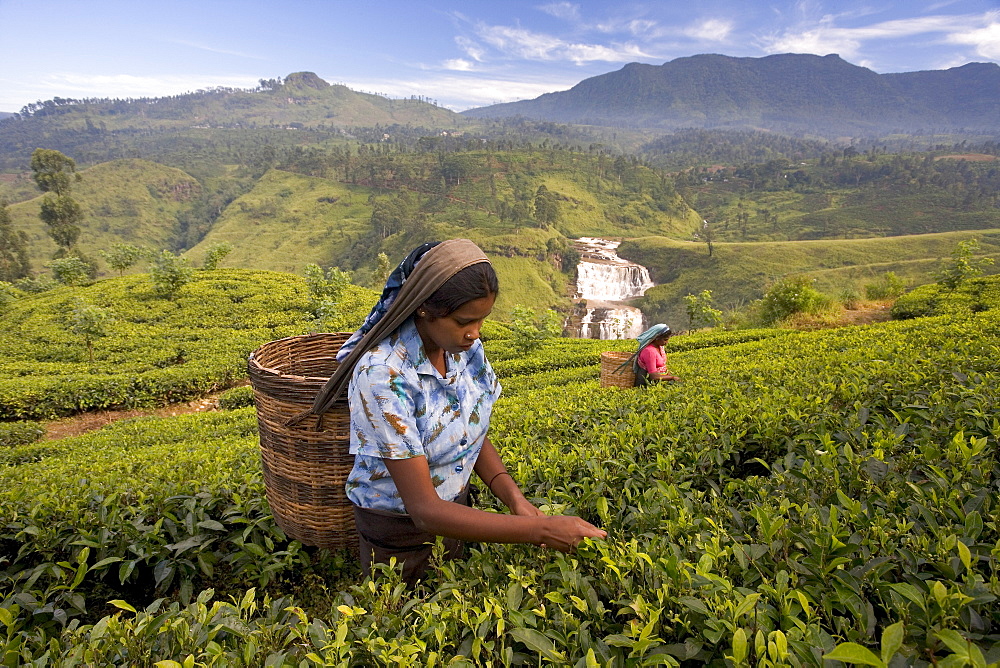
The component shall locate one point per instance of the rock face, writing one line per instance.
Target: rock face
(604, 284)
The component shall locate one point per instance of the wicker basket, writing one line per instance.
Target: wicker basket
(611, 374)
(305, 469)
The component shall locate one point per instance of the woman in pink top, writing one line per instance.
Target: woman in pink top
(651, 361)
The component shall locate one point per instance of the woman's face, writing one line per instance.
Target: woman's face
(457, 331)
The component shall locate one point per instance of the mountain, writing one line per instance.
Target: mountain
(790, 93)
(300, 109)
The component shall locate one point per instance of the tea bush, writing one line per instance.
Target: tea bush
(156, 351)
(237, 397)
(799, 496)
(972, 296)
(20, 432)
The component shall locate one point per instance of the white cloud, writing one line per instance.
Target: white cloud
(470, 48)
(458, 64)
(459, 92)
(640, 26)
(825, 37)
(819, 41)
(710, 30)
(215, 49)
(525, 44)
(562, 10)
(986, 40)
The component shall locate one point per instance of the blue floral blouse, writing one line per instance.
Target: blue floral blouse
(401, 407)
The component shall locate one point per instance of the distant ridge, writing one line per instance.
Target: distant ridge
(789, 93)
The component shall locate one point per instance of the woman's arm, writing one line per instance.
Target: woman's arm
(491, 470)
(445, 518)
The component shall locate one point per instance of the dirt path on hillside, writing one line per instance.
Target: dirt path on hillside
(82, 423)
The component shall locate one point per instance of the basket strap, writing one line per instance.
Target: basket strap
(631, 360)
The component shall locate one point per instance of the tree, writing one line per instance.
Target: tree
(546, 207)
(700, 312)
(55, 173)
(14, 262)
(214, 255)
(169, 273)
(532, 331)
(8, 293)
(69, 270)
(962, 266)
(90, 322)
(708, 234)
(381, 271)
(123, 256)
(326, 291)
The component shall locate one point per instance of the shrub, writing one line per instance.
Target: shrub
(888, 286)
(21, 432)
(531, 331)
(237, 397)
(215, 254)
(90, 322)
(794, 294)
(123, 256)
(70, 270)
(8, 293)
(973, 296)
(700, 312)
(962, 265)
(170, 273)
(36, 285)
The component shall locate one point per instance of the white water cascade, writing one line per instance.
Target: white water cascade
(604, 282)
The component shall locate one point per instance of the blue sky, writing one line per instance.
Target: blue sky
(461, 53)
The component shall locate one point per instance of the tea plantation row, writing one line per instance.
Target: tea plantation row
(153, 351)
(798, 496)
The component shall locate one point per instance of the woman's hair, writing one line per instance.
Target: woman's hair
(474, 282)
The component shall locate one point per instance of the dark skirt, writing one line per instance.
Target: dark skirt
(383, 535)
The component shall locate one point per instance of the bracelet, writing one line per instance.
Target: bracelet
(490, 483)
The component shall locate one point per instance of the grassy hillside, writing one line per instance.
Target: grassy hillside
(350, 207)
(738, 273)
(289, 220)
(131, 201)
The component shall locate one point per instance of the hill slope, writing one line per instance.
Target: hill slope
(301, 102)
(737, 273)
(131, 201)
(824, 95)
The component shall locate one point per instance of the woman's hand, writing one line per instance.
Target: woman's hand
(564, 532)
(525, 508)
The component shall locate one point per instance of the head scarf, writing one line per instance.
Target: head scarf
(651, 334)
(389, 292)
(428, 271)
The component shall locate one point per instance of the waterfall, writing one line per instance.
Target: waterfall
(604, 281)
(611, 282)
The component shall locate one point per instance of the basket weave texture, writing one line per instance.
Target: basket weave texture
(305, 468)
(611, 375)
